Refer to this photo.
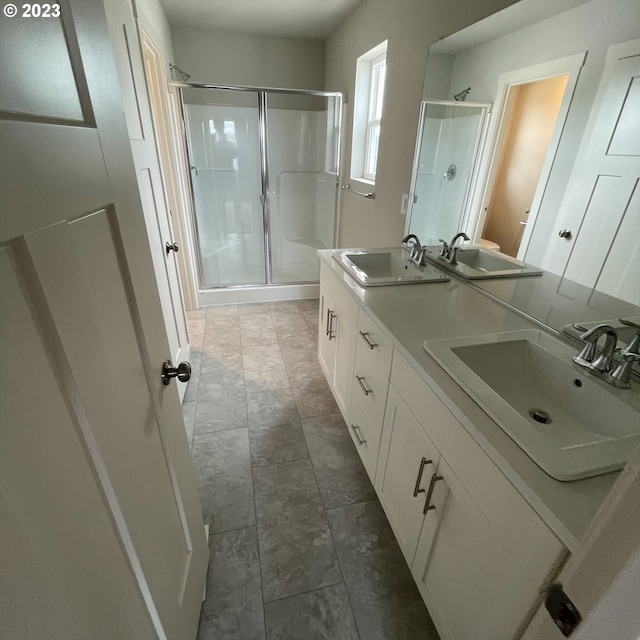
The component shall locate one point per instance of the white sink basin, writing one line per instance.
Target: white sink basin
(375, 267)
(571, 424)
(474, 263)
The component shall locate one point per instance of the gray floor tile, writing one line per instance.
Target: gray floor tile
(287, 326)
(323, 614)
(189, 415)
(220, 410)
(309, 306)
(298, 348)
(312, 322)
(341, 476)
(304, 371)
(253, 309)
(284, 307)
(264, 369)
(296, 549)
(195, 360)
(313, 397)
(275, 433)
(221, 372)
(258, 334)
(223, 465)
(233, 607)
(385, 600)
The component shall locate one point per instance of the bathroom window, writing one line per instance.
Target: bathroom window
(367, 112)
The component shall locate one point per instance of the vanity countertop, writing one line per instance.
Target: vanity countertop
(411, 314)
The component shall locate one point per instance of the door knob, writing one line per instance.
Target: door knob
(182, 371)
(565, 233)
(171, 247)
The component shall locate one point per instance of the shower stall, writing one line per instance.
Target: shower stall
(446, 156)
(263, 167)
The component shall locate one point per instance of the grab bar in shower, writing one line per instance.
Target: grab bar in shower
(370, 196)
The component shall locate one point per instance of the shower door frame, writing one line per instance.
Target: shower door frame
(466, 217)
(264, 175)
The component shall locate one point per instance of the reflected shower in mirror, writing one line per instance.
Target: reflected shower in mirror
(563, 213)
(446, 154)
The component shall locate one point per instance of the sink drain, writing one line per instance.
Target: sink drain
(540, 416)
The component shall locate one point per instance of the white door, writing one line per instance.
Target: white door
(128, 53)
(100, 522)
(601, 209)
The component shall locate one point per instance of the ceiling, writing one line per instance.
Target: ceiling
(292, 18)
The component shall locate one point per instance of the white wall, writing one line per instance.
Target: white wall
(409, 26)
(591, 27)
(226, 57)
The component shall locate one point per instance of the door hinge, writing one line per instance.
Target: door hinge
(562, 611)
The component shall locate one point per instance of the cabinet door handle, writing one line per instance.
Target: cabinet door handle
(370, 344)
(360, 440)
(364, 389)
(327, 323)
(427, 503)
(417, 488)
(331, 318)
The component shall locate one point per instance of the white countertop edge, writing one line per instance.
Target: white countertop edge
(515, 464)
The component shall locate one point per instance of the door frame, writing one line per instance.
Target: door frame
(179, 203)
(498, 126)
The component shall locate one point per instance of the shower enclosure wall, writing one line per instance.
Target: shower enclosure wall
(446, 155)
(264, 176)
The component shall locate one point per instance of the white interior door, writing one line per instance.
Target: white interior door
(128, 53)
(100, 523)
(601, 209)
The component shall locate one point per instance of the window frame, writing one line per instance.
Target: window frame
(377, 78)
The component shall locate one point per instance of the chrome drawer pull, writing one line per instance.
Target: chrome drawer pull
(417, 488)
(427, 505)
(327, 325)
(364, 335)
(364, 389)
(332, 336)
(360, 440)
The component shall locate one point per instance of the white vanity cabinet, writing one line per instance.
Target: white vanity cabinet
(479, 553)
(483, 554)
(336, 337)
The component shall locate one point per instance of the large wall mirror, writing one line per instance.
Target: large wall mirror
(530, 143)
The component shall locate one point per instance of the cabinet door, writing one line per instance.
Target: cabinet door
(406, 463)
(346, 318)
(326, 335)
(477, 584)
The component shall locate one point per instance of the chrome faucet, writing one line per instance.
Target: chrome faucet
(417, 250)
(588, 358)
(449, 251)
(621, 376)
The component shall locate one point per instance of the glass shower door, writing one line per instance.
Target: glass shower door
(302, 157)
(222, 130)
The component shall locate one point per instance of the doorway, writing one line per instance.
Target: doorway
(529, 124)
(263, 165)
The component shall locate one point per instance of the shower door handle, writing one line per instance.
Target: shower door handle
(193, 168)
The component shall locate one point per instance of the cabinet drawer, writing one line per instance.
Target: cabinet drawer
(365, 435)
(374, 351)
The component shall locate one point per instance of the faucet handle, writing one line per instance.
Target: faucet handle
(444, 252)
(621, 376)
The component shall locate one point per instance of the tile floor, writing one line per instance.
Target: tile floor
(300, 547)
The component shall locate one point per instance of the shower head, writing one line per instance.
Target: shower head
(183, 75)
(460, 97)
